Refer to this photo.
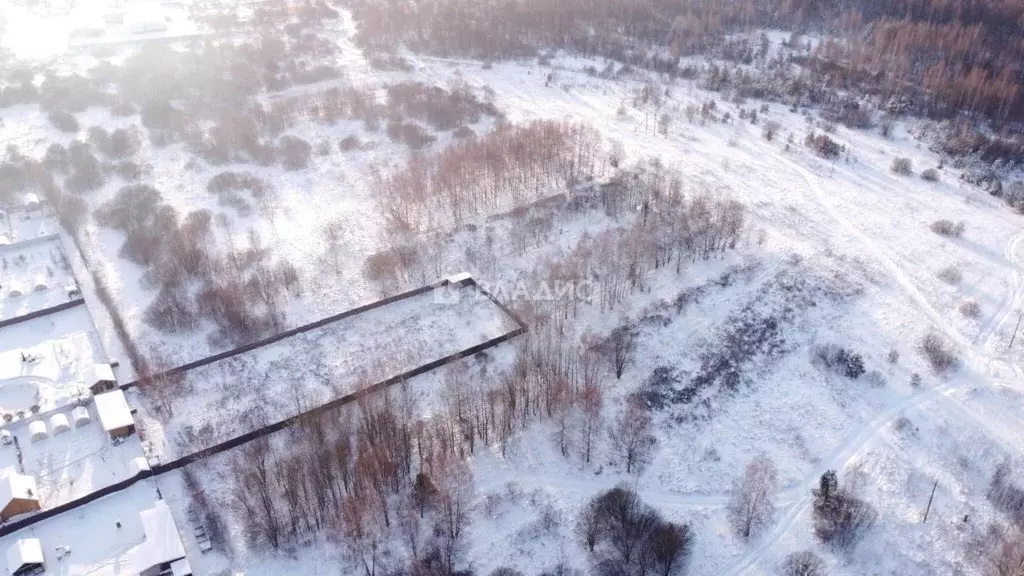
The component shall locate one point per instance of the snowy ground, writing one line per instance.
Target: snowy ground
(844, 247)
(35, 275)
(101, 536)
(72, 464)
(228, 398)
(62, 347)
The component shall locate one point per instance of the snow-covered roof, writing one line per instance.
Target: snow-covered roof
(99, 373)
(14, 486)
(459, 278)
(138, 464)
(59, 423)
(163, 543)
(37, 429)
(113, 410)
(181, 568)
(81, 415)
(24, 551)
(31, 198)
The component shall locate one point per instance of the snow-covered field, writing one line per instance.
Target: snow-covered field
(842, 252)
(45, 360)
(228, 398)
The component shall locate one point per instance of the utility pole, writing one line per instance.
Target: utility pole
(1015, 329)
(926, 510)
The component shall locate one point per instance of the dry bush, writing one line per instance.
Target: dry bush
(939, 353)
(294, 152)
(770, 129)
(950, 274)
(930, 175)
(350, 143)
(227, 186)
(411, 134)
(970, 308)
(803, 563)
(901, 167)
(441, 109)
(949, 228)
(63, 121)
(822, 145)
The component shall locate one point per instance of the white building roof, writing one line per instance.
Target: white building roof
(181, 567)
(163, 543)
(99, 373)
(31, 198)
(24, 551)
(138, 464)
(81, 415)
(37, 429)
(113, 410)
(17, 486)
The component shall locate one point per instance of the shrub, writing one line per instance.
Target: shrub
(294, 152)
(822, 145)
(901, 167)
(950, 275)
(949, 228)
(805, 563)
(838, 360)
(412, 135)
(893, 356)
(349, 143)
(133, 206)
(840, 518)
(970, 308)
(940, 354)
(1014, 195)
(930, 175)
(464, 132)
(769, 130)
(63, 121)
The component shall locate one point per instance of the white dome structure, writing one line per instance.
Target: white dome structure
(37, 430)
(81, 417)
(59, 424)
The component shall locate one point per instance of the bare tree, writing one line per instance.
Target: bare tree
(591, 402)
(631, 435)
(751, 508)
(670, 544)
(803, 563)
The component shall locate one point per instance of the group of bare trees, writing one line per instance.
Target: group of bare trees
(241, 290)
(371, 477)
(511, 165)
(627, 536)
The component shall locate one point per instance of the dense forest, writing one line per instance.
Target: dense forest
(936, 57)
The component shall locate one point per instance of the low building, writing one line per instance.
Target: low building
(162, 551)
(18, 495)
(114, 415)
(25, 557)
(59, 424)
(81, 416)
(100, 378)
(37, 430)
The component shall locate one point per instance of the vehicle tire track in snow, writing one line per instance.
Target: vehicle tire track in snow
(840, 458)
(844, 454)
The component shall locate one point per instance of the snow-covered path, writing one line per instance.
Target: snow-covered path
(981, 358)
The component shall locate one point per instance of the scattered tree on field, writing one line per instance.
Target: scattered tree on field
(751, 507)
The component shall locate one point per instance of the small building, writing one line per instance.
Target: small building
(37, 430)
(138, 465)
(73, 292)
(25, 557)
(31, 202)
(162, 551)
(59, 424)
(40, 285)
(15, 292)
(18, 495)
(100, 378)
(115, 417)
(80, 416)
